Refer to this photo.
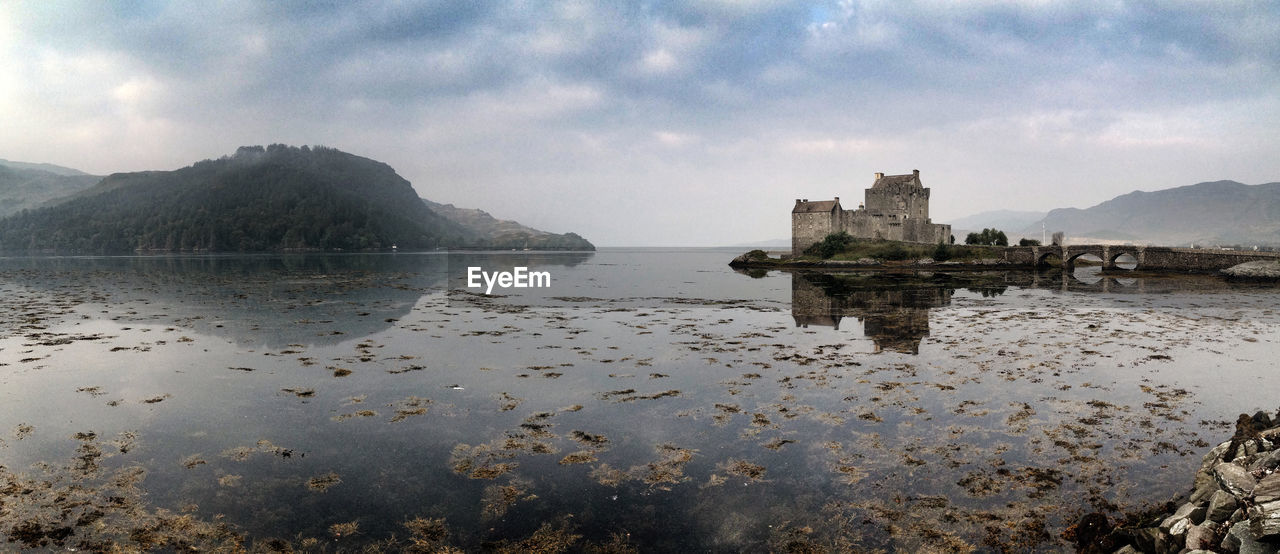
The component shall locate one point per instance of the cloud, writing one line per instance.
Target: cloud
(517, 107)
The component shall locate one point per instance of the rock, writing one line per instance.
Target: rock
(1264, 521)
(1263, 269)
(925, 261)
(1180, 527)
(1262, 419)
(1234, 479)
(1201, 536)
(1269, 462)
(1091, 533)
(1205, 486)
(1240, 539)
(1128, 549)
(1221, 505)
(754, 256)
(1186, 514)
(1214, 457)
(1268, 489)
(1150, 539)
(868, 261)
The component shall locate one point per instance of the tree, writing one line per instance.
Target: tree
(833, 244)
(1058, 237)
(1028, 242)
(989, 237)
(941, 253)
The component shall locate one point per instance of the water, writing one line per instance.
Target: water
(649, 398)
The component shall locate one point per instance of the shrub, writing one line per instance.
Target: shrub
(941, 253)
(833, 244)
(1028, 242)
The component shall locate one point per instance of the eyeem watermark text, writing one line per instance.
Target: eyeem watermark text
(518, 277)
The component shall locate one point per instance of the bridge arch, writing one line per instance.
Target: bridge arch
(1048, 258)
(1088, 255)
(1123, 259)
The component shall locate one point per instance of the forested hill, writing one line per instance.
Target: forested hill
(259, 199)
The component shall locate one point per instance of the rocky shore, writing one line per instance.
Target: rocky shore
(1260, 270)
(1234, 505)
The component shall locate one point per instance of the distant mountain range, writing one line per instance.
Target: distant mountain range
(1211, 213)
(259, 199)
(1214, 213)
(505, 234)
(1005, 220)
(25, 186)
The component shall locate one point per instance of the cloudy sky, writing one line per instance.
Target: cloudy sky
(664, 123)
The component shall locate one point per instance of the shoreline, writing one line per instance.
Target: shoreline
(1233, 503)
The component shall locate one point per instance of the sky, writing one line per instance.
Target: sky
(689, 123)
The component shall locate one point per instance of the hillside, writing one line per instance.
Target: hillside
(1006, 220)
(1214, 213)
(26, 186)
(259, 199)
(501, 234)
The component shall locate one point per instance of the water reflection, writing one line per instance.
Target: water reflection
(894, 315)
(893, 308)
(269, 300)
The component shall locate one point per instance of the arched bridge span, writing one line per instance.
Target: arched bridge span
(1147, 257)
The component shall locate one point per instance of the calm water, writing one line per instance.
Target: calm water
(650, 398)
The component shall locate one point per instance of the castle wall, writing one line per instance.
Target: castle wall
(871, 225)
(810, 228)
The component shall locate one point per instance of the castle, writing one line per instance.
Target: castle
(896, 208)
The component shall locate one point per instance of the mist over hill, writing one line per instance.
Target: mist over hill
(1005, 220)
(276, 198)
(502, 234)
(1210, 213)
(25, 186)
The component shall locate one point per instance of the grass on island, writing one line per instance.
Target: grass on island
(842, 246)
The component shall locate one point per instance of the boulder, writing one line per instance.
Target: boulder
(1240, 539)
(1204, 487)
(1151, 539)
(1221, 506)
(1264, 521)
(1234, 479)
(1187, 514)
(1268, 462)
(1268, 489)
(1201, 536)
(1263, 269)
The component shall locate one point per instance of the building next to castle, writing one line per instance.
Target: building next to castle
(896, 208)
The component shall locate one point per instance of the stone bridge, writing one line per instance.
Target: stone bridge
(1158, 258)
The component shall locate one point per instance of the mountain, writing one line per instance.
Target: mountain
(501, 234)
(768, 243)
(1004, 220)
(1213, 213)
(259, 199)
(25, 186)
(47, 168)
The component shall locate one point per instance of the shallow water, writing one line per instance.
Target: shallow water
(650, 398)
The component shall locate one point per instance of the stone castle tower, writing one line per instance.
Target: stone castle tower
(896, 207)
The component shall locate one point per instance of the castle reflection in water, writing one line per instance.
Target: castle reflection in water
(894, 309)
(895, 319)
